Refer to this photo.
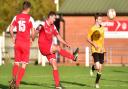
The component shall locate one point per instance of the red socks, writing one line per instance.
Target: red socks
(15, 70)
(20, 76)
(56, 78)
(66, 54)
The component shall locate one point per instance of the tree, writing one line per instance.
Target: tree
(9, 8)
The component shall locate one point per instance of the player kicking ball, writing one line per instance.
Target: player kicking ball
(47, 31)
(24, 23)
(96, 39)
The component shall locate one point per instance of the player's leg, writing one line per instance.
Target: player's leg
(52, 60)
(50, 54)
(98, 75)
(99, 69)
(16, 66)
(20, 74)
(93, 67)
(15, 69)
(55, 72)
(24, 61)
(56, 48)
(14, 73)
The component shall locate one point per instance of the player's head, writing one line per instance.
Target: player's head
(26, 6)
(98, 18)
(51, 17)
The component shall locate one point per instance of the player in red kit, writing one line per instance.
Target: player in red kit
(24, 24)
(47, 31)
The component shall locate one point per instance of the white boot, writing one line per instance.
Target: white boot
(97, 85)
(58, 87)
(91, 72)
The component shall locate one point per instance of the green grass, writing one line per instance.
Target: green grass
(72, 77)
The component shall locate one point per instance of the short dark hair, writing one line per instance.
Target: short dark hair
(51, 13)
(97, 15)
(26, 5)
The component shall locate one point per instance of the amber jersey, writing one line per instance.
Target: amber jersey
(96, 34)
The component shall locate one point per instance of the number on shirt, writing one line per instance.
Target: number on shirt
(22, 26)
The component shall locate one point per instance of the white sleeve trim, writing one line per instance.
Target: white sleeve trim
(32, 20)
(54, 27)
(38, 22)
(13, 20)
(42, 23)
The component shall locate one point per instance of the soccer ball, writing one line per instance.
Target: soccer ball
(111, 13)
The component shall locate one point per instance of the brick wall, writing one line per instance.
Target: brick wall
(76, 31)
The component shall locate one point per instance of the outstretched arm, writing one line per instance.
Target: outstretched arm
(62, 41)
(11, 33)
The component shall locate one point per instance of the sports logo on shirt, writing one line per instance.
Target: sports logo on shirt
(96, 35)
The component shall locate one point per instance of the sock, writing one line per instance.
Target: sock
(93, 68)
(56, 78)
(66, 54)
(98, 77)
(15, 70)
(20, 76)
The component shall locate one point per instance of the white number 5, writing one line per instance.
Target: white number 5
(22, 26)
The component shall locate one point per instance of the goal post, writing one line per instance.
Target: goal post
(87, 56)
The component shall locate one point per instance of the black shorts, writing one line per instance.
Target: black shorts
(98, 57)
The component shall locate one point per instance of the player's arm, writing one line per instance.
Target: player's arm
(32, 33)
(90, 41)
(59, 37)
(36, 31)
(11, 27)
(33, 29)
(62, 41)
(103, 43)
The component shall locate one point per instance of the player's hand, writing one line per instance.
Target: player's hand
(102, 50)
(31, 41)
(13, 40)
(69, 46)
(96, 46)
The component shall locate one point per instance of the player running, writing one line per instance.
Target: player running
(24, 24)
(96, 39)
(47, 31)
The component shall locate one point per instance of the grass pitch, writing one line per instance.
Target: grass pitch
(72, 77)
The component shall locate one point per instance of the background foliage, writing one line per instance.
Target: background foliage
(9, 8)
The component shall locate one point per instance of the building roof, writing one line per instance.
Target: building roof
(90, 7)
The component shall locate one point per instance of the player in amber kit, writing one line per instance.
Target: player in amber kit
(24, 24)
(47, 31)
(96, 39)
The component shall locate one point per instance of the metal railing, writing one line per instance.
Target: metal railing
(116, 55)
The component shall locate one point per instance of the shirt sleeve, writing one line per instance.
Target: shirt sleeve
(39, 26)
(55, 32)
(14, 21)
(90, 33)
(32, 22)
